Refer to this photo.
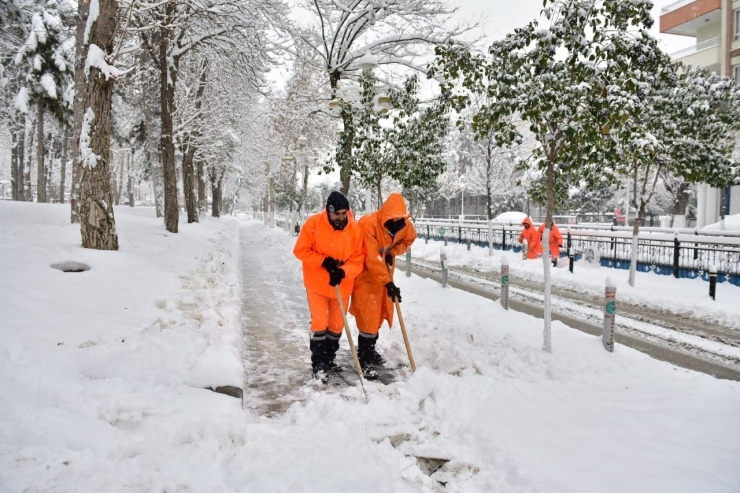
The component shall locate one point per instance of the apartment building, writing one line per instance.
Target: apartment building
(716, 26)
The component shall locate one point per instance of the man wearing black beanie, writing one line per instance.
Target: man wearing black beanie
(332, 252)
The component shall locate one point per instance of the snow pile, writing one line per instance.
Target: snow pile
(510, 217)
(96, 58)
(731, 223)
(101, 364)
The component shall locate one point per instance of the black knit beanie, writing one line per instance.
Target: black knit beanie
(336, 202)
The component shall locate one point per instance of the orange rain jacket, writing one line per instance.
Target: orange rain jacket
(318, 239)
(532, 236)
(370, 302)
(556, 239)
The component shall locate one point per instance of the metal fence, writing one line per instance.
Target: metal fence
(666, 252)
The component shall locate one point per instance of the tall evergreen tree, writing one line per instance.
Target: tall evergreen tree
(46, 61)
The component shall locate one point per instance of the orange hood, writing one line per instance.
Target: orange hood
(527, 220)
(394, 207)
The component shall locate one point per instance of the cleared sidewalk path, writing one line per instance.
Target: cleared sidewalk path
(276, 321)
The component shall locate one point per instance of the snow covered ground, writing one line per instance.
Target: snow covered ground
(103, 376)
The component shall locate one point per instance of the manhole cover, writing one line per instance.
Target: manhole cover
(71, 267)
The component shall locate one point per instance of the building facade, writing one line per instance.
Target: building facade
(716, 26)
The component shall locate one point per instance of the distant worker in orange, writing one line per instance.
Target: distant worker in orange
(387, 233)
(331, 249)
(556, 241)
(532, 236)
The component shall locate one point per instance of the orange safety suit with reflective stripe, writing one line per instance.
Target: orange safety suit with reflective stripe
(370, 302)
(556, 239)
(318, 240)
(534, 242)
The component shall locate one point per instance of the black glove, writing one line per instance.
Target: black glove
(393, 292)
(330, 264)
(336, 276)
(389, 259)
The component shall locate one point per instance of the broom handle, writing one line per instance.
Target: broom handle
(349, 338)
(403, 326)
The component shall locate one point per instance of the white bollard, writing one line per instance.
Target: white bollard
(408, 263)
(443, 261)
(504, 282)
(610, 310)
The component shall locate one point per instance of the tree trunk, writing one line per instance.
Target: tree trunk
(83, 8)
(547, 334)
(97, 222)
(489, 213)
(635, 236)
(40, 170)
(21, 157)
(29, 163)
(49, 168)
(167, 76)
(681, 198)
(155, 159)
(215, 194)
(188, 155)
(272, 200)
(124, 162)
(202, 197)
(63, 171)
(345, 171)
(130, 184)
(14, 165)
(345, 147)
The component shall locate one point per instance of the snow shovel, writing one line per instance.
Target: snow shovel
(351, 342)
(403, 326)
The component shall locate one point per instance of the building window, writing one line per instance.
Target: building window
(737, 25)
(736, 72)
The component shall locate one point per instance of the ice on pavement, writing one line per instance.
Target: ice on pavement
(497, 412)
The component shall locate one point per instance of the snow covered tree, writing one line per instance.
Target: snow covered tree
(296, 128)
(685, 126)
(404, 145)
(393, 33)
(558, 78)
(46, 61)
(14, 24)
(221, 27)
(97, 221)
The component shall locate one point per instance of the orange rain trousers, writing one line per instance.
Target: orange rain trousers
(325, 313)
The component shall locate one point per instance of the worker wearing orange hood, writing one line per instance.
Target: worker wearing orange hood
(532, 236)
(387, 233)
(556, 241)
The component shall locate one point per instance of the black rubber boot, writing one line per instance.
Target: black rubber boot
(332, 346)
(318, 356)
(366, 354)
(372, 355)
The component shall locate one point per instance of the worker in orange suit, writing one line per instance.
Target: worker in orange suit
(532, 236)
(387, 233)
(556, 241)
(331, 250)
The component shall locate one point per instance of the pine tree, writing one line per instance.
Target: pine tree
(46, 60)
